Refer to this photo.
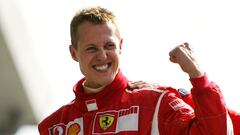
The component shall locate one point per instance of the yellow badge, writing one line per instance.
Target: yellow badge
(74, 129)
(106, 121)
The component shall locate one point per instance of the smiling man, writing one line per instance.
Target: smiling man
(104, 105)
(97, 51)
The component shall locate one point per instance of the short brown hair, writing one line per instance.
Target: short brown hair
(95, 15)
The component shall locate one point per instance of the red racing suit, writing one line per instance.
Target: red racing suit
(116, 110)
(235, 116)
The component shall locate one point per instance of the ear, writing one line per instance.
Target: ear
(73, 52)
(120, 45)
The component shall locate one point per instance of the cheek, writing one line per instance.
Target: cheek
(84, 66)
(116, 58)
(85, 60)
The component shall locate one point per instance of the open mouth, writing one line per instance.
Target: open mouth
(102, 68)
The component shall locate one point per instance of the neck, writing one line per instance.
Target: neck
(91, 90)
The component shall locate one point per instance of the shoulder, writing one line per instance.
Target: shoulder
(175, 108)
(151, 94)
(54, 118)
(152, 91)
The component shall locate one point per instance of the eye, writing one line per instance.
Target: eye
(110, 46)
(91, 49)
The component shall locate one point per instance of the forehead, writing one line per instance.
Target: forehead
(89, 32)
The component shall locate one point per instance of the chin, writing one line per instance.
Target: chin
(108, 80)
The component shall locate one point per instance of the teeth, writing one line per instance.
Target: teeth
(101, 68)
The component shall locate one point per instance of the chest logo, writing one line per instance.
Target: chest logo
(74, 129)
(115, 121)
(106, 121)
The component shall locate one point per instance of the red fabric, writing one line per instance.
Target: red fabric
(235, 116)
(121, 112)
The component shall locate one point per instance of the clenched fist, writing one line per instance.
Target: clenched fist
(183, 55)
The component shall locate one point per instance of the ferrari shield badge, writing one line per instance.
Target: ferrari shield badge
(106, 121)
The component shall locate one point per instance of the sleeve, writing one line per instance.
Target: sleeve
(42, 130)
(209, 116)
(235, 117)
(47, 125)
(188, 99)
(210, 108)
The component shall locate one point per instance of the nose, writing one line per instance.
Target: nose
(102, 54)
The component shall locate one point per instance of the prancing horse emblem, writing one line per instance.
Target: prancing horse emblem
(106, 121)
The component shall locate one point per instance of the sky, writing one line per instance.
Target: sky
(150, 29)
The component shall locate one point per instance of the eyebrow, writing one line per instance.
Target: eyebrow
(107, 42)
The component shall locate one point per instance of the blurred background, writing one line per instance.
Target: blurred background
(37, 73)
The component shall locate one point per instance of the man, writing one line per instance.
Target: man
(104, 105)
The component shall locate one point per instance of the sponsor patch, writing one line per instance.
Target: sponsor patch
(115, 121)
(176, 104)
(91, 105)
(72, 128)
(106, 121)
(181, 106)
(58, 130)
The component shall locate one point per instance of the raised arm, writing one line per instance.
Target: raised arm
(210, 110)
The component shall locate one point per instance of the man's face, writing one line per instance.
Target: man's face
(97, 52)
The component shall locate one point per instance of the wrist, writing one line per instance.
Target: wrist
(200, 82)
(196, 74)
